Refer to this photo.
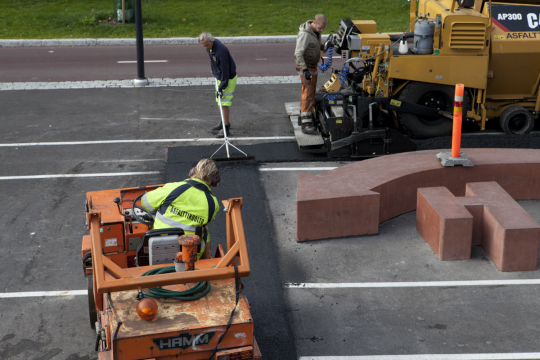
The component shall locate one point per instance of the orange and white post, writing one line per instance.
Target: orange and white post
(458, 117)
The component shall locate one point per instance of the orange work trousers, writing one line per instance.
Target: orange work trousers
(307, 102)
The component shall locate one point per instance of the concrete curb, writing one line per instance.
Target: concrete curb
(152, 82)
(153, 41)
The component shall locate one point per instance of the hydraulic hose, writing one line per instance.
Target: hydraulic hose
(326, 65)
(342, 78)
(198, 291)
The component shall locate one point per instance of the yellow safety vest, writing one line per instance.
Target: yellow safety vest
(185, 205)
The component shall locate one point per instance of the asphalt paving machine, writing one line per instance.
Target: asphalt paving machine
(148, 295)
(404, 84)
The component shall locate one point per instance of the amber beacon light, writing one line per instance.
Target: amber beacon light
(147, 309)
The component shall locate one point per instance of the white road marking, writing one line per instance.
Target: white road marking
(144, 141)
(55, 176)
(108, 161)
(299, 169)
(43, 293)
(146, 61)
(492, 356)
(261, 59)
(412, 284)
(173, 119)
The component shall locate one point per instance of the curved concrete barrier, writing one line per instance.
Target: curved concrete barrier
(356, 198)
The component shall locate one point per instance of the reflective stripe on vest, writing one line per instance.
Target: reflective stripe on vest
(173, 223)
(147, 204)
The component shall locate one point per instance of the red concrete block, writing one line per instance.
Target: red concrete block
(349, 214)
(506, 232)
(396, 179)
(445, 224)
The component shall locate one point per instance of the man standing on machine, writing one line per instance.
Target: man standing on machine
(307, 55)
(224, 70)
(187, 204)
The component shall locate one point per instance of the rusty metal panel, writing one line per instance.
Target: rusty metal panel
(112, 238)
(206, 317)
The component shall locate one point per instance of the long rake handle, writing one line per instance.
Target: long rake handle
(224, 129)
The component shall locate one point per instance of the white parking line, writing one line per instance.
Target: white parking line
(146, 61)
(412, 284)
(43, 293)
(143, 141)
(26, 177)
(299, 169)
(493, 356)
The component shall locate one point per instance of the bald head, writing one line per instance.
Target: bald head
(319, 23)
(320, 19)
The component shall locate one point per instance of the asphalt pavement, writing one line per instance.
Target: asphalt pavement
(43, 228)
(48, 133)
(85, 63)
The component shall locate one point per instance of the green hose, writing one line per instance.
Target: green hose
(201, 289)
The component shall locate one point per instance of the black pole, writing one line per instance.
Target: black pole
(140, 45)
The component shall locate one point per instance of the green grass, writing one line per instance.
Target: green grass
(61, 19)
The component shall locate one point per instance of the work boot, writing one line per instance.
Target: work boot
(304, 117)
(219, 126)
(221, 135)
(309, 129)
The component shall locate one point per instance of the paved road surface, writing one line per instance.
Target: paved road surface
(43, 223)
(102, 62)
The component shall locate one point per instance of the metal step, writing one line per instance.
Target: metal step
(302, 139)
(292, 108)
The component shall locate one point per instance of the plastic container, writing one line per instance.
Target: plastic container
(423, 37)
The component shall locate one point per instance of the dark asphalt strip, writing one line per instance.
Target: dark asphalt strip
(288, 151)
(263, 287)
(263, 153)
(531, 141)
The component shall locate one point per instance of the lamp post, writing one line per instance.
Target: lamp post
(141, 80)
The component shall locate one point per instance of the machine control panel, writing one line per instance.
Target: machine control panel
(346, 30)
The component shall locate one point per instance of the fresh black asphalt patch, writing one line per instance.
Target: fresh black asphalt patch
(278, 152)
(275, 152)
(263, 288)
(502, 141)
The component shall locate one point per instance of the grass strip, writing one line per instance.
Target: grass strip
(66, 19)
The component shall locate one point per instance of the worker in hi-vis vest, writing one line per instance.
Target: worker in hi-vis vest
(187, 204)
(224, 70)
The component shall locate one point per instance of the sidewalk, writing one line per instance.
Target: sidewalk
(149, 41)
(153, 82)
